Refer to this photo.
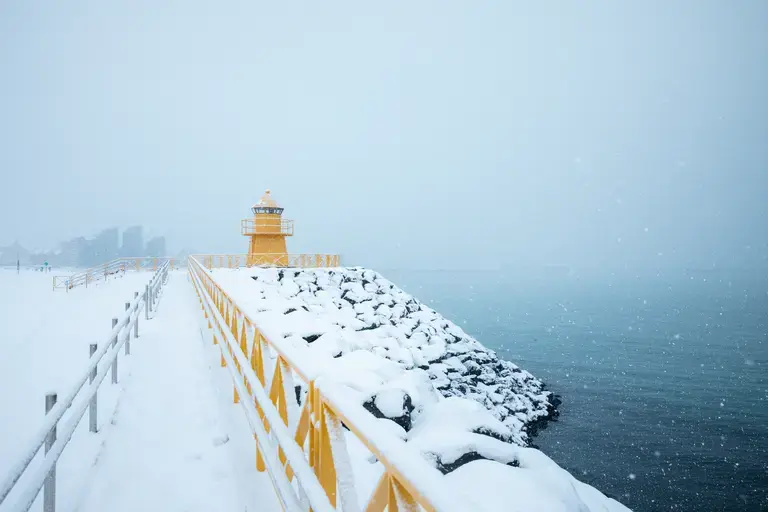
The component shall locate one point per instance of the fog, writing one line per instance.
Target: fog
(433, 134)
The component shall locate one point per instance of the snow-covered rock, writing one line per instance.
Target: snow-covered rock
(467, 412)
(532, 484)
(338, 311)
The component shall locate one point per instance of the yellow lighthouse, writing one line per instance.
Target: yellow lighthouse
(267, 230)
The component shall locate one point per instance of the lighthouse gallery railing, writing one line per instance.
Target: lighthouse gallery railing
(307, 458)
(260, 226)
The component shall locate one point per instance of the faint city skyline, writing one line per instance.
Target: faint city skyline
(87, 251)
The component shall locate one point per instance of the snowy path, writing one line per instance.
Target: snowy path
(175, 443)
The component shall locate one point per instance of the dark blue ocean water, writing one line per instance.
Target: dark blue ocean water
(663, 379)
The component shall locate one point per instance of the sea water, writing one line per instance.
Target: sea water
(663, 378)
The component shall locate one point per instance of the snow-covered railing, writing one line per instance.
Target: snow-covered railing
(110, 268)
(305, 451)
(212, 261)
(44, 475)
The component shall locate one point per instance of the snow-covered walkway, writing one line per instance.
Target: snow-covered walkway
(174, 442)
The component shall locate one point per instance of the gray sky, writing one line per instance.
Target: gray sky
(399, 133)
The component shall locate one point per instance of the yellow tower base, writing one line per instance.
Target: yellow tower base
(267, 250)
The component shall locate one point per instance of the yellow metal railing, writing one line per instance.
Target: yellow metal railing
(212, 261)
(257, 226)
(110, 268)
(313, 437)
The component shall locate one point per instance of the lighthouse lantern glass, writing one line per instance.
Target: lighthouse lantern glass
(267, 209)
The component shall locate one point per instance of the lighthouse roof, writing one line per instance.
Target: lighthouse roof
(266, 201)
(267, 205)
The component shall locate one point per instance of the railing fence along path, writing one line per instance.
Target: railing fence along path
(305, 451)
(111, 268)
(211, 261)
(55, 439)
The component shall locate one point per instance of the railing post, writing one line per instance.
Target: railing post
(146, 302)
(114, 344)
(128, 332)
(136, 325)
(93, 407)
(49, 488)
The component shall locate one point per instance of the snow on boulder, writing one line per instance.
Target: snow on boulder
(362, 371)
(392, 404)
(461, 415)
(402, 399)
(493, 487)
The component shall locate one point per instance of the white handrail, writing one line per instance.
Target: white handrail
(99, 272)
(128, 319)
(29, 495)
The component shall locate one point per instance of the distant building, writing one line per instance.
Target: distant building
(133, 242)
(85, 252)
(105, 246)
(156, 246)
(70, 253)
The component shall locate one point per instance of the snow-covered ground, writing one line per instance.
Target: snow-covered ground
(44, 343)
(454, 401)
(168, 435)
